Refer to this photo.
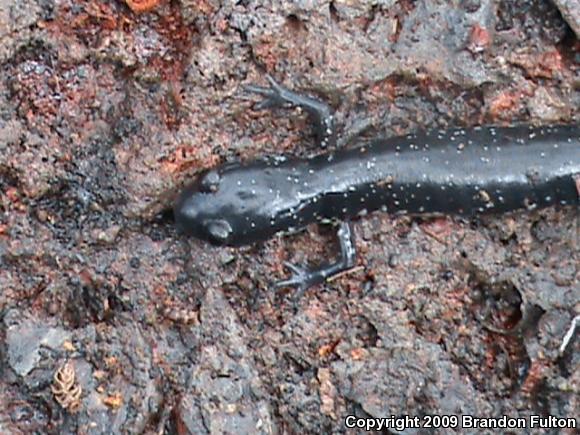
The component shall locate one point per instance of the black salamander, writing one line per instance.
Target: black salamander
(458, 171)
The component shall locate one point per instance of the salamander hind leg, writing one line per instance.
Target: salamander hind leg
(320, 113)
(304, 277)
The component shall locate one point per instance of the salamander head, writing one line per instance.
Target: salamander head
(226, 206)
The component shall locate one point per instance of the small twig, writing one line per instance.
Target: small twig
(344, 272)
(569, 334)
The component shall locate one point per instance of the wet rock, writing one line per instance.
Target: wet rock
(16, 20)
(105, 114)
(571, 12)
(26, 338)
(224, 392)
(548, 106)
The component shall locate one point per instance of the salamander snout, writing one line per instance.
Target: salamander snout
(199, 211)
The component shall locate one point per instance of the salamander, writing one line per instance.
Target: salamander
(462, 171)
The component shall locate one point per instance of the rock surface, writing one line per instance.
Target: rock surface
(107, 110)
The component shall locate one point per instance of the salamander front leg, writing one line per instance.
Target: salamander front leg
(304, 277)
(321, 115)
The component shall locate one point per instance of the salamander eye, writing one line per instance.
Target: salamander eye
(219, 230)
(210, 182)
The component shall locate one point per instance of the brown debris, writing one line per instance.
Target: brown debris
(114, 401)
(546, 65)
(538, 371)
(140, 6)
(479, 39)
(504, 104)
(327, 393)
